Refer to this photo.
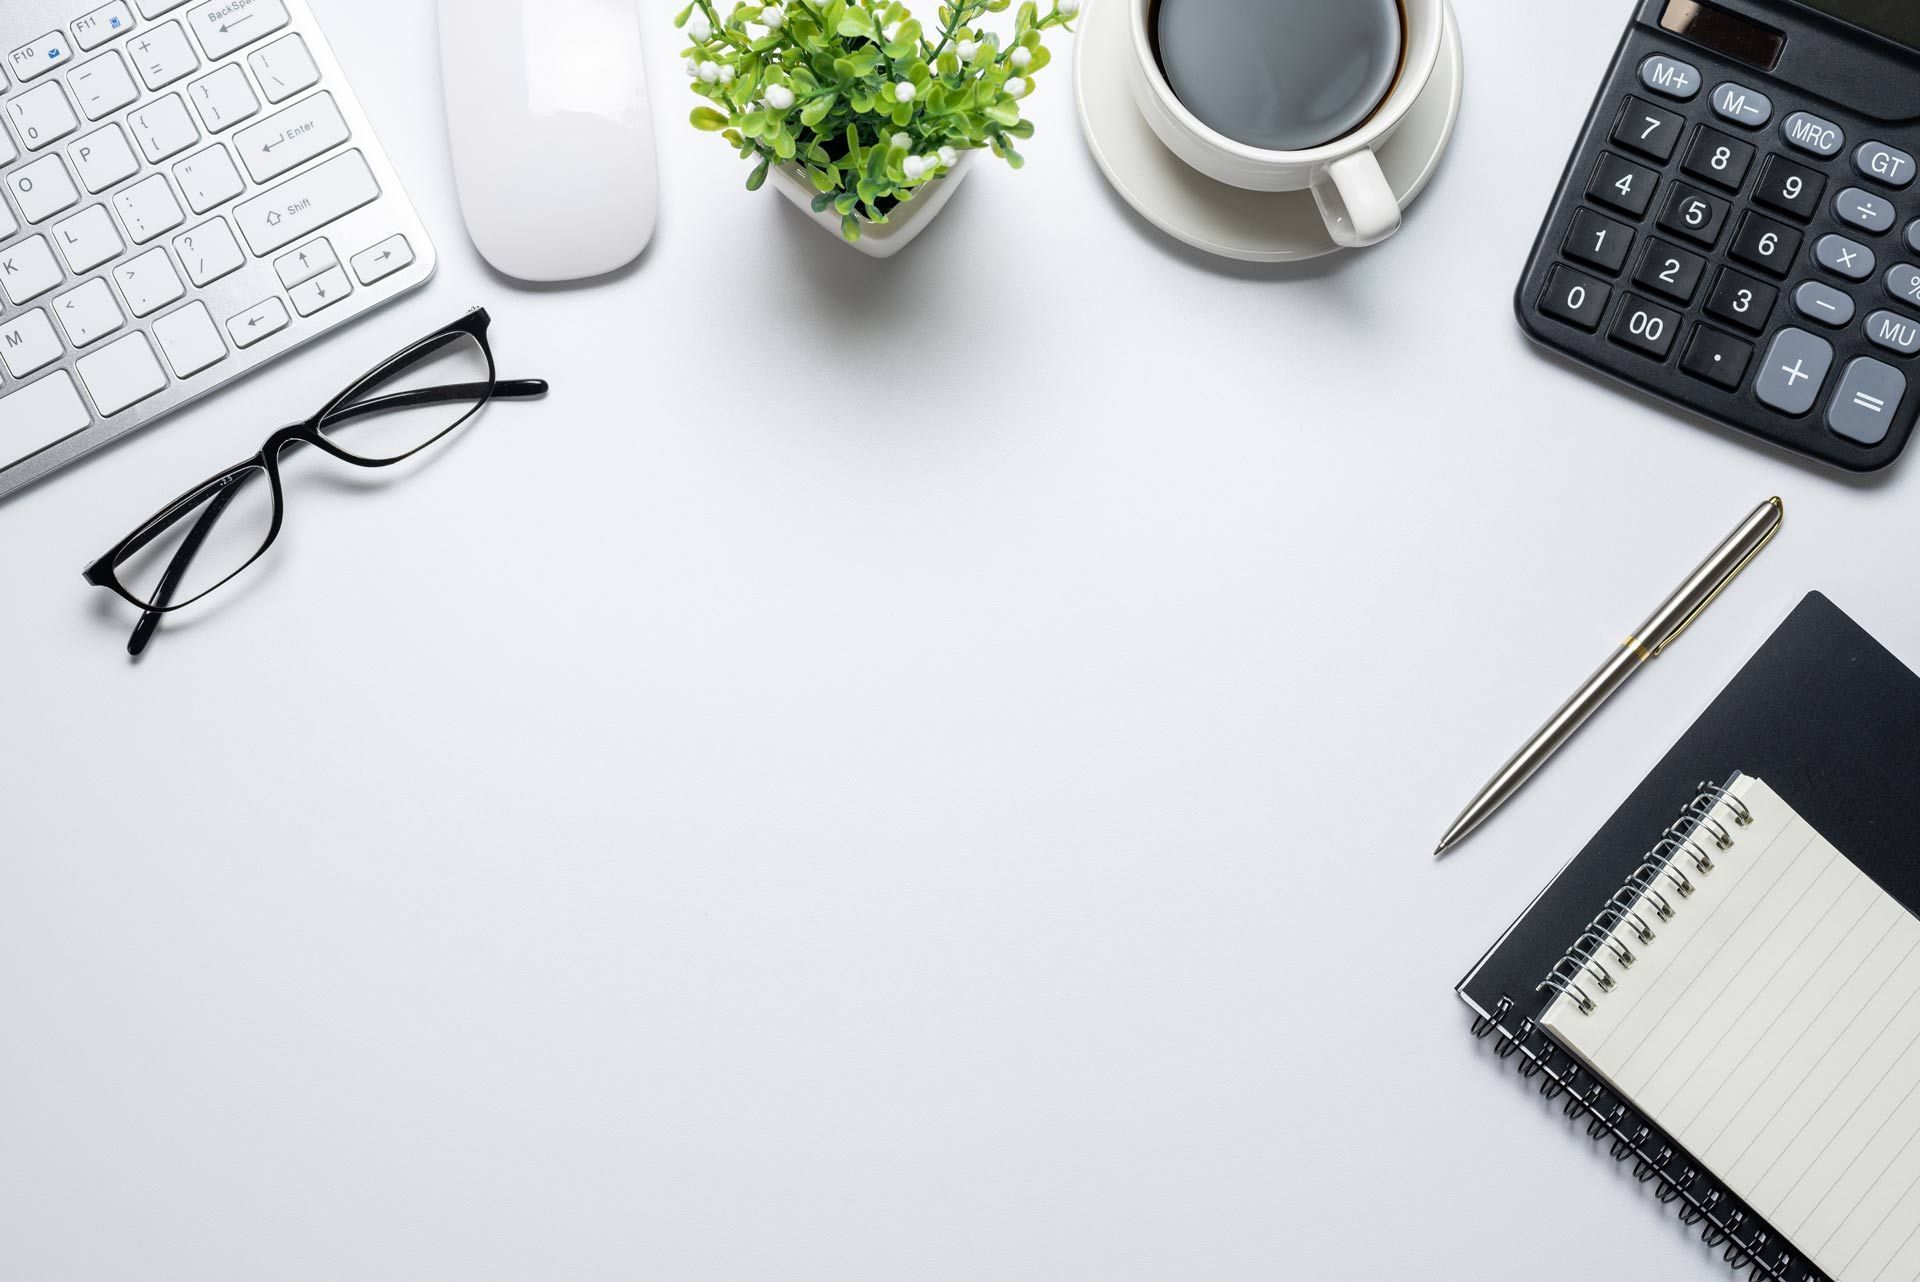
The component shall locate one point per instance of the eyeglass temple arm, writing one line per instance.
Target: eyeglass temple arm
(515, 389)
(177, 569)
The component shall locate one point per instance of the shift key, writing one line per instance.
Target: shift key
(288, 139)
(301, 206)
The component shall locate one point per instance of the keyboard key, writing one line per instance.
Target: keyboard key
(1766, 244)
(103, 158)
(1668, 269)
(1718, 158)
(1598, 241)
(163, 128)
(226, 25)
(302, 206)
(42, 115)
(1883, 164)
(1739, 299)
(1823, 303)
(1894, 332)
(1576, 298)
(39, 415)
(284, 68)
(35, 59)
(208, 178)
(1716, 357)
(1622, 185)
(1870, 213)
(28, 343)
(88, 239)
(264, 319)
(89, 313)
(1844, 257)
(1650, 130)
(190, 340)
(224, 99)
(1645, 327)
(306, 262)
(154, 8)
(209, 252)
(1741, 105)
(1811, 134)
(1789, 188)
(383, 260)
(1795, 367)
(1694, 214)
(108, 22)
(321, 292)
(122, 374)
(149, 282)
(43, 189)
(1870, 394)
(28, 269)
(1670, 76)
(163, 55)
(290, 138)
(103, 85)
(148, 209)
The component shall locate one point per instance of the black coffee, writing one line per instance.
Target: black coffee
(1282, 75)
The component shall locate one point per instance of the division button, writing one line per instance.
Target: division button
(1870, 213)
(1795, 367)
(1870, 393)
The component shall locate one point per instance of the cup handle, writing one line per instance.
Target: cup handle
(1359, 207)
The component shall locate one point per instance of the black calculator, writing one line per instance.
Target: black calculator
(1738, 231)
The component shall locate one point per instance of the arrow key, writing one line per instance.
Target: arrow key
(262, 320)
(383, 260)
(306, 262)
(322, 292)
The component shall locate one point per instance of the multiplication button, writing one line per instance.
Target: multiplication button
(1870, 394)
(1795, 367)
(1844, 257)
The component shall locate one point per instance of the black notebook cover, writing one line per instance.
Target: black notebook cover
(1829, 718)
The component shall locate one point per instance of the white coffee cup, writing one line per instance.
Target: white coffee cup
(1344, 175)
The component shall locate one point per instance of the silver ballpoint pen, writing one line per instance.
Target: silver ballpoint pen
(1674, 617)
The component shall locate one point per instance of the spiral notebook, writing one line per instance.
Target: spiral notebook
(1726, 982)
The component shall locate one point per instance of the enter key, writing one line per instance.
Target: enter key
(288, 139)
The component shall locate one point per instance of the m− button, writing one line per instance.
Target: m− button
(1795, 367)
(1741, 105)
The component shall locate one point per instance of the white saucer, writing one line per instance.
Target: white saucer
(1256, 226)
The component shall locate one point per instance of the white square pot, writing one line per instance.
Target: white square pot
(877, 240)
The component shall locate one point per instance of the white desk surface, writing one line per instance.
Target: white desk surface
(914, 770)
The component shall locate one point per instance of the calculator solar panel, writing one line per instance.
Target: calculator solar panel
(1738, 229)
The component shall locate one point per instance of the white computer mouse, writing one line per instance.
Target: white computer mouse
(552, 137)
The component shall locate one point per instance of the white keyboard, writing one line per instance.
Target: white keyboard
(188, 189)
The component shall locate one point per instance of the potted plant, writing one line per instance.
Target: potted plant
(859, 114)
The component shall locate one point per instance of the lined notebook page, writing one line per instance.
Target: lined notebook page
(1772, 1028)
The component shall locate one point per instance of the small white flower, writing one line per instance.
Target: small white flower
(905, 92)
(709, 72)
(726, 75)
(966, 49)
(914, 166)
(699, 28)
(949, 157)
(1016, 86)
(779, 97)
(1067, 8)
(900, 140)
(693, 68)
(775, 17)
(1020, 58)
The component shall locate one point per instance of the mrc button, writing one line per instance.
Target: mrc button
(1810, 133)
(1670, 76)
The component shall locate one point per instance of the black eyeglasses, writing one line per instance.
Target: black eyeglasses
(207, 536)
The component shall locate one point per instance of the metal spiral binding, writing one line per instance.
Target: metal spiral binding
(1651, 897)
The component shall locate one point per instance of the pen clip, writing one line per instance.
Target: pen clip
(1713, 596)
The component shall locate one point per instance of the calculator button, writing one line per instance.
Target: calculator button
(1670, 76)
(1883, 164)
(1622, 185)
(1868, 212)
(1869, 396)
(1765, 244)
(1650, 130)
(1576, 298)
(1716, 357)
(1647, 328)
(1903, 282)
(1789, 188)
(1599, 241)
(1811, 134)
(1668, 269)
(1844, 257)
(1718, 158)
(1913, 235)
(1823, 303)
(1739, 299)
(1741, 105)
(1894, 332)
(1795, 367)
(1694, 214)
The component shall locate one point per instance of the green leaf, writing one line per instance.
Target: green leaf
(816, 110)
(821, 202)
(759, 174)
(1001, 113)
(708, 119)
(855, 22)
(849, 227)
(826, 182)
